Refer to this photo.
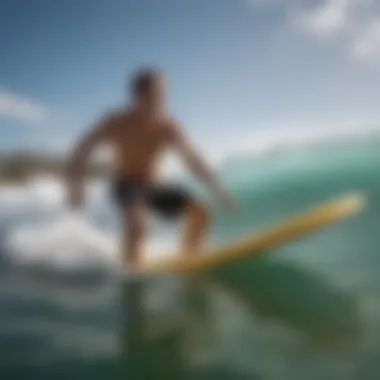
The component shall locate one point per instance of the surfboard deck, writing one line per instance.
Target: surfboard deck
(259, 242)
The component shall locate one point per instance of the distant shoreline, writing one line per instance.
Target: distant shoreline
(21, 166)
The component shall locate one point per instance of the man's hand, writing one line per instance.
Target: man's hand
(228, 202)
(75, 196)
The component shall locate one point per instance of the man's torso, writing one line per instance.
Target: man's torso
(138, 145)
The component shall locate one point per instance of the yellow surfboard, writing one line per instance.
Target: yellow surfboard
(259, 242)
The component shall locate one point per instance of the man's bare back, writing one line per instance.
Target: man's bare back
(139, 137)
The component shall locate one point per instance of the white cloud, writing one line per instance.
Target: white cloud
(367, 44)
(325, 19)
(17, 107)
(354, 23)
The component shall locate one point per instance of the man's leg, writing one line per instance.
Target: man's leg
(135, 222)
(197, 226)
(175, 201)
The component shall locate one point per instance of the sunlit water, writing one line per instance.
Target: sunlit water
(309, 310)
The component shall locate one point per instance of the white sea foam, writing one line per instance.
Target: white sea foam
(64, 240)
(72, 242)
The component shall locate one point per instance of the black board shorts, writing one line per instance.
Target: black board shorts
(167, 200)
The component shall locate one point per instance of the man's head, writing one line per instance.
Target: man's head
(148, 88)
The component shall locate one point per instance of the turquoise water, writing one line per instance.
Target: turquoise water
(310, 309)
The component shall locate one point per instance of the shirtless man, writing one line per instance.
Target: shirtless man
(139, 136)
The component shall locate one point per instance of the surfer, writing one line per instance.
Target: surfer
(139, 135)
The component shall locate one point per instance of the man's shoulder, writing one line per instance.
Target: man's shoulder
(170, 124)
(112, 119)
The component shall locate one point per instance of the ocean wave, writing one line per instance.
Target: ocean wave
(41, 231)
(276, 141)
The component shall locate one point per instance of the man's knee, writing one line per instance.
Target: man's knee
(135, 222)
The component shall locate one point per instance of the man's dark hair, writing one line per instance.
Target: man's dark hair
(143, 79)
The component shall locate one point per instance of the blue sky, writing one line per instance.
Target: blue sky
(234, 66)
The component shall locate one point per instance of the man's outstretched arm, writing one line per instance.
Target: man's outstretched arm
(193, 160)
(78, 159)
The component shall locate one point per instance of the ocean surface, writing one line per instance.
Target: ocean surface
(307, 310)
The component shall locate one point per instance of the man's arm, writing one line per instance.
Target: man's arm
(77, 162)
(183, 146)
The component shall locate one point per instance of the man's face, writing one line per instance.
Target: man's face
(154, 98)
